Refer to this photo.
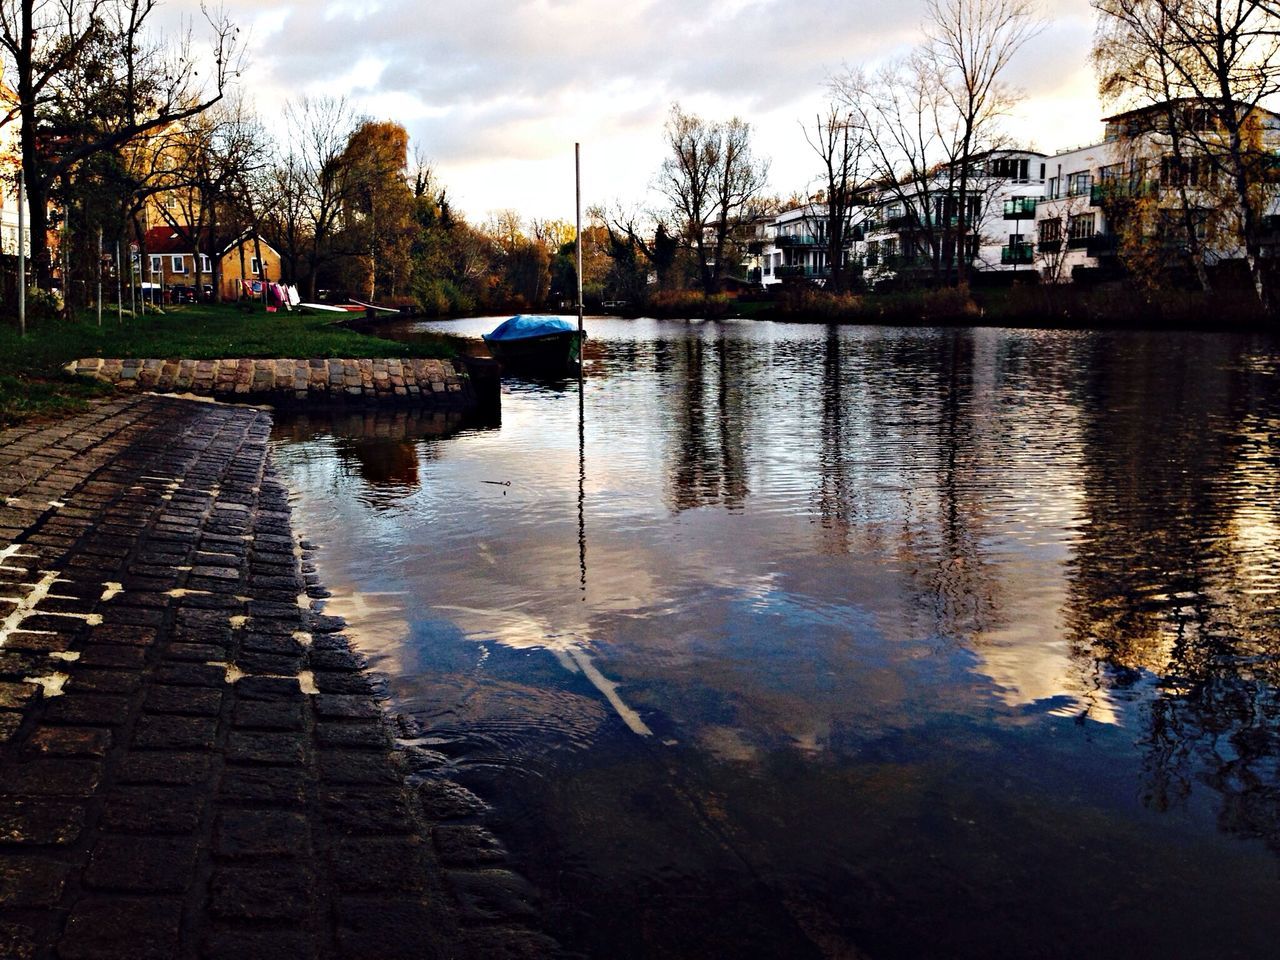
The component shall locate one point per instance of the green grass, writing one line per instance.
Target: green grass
(33, 383)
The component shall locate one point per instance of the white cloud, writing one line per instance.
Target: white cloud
(497, 91)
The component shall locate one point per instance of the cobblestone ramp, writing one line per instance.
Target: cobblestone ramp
(193, 762)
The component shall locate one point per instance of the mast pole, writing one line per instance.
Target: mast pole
(577, 183)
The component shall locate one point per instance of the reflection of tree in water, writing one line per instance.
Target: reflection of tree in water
(381, 446)
(1171, 571)
(901, 443)
(711, 418)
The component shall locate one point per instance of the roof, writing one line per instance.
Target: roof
(1179, 101)
(167, 240)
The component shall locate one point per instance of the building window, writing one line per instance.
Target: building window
(177, 264)
(254, 267)
(1050, 230)
(205, 265)
(1053, 188)
(1011, 168)
(1078, 184)
(157, 263)
(1080, 227)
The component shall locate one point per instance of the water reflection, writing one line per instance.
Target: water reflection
(961, 638)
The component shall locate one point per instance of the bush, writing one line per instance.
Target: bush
(690, 304)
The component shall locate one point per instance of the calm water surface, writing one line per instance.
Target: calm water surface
(856, 642)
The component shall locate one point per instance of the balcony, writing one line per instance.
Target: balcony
(1049, 246)
(1078, 243)
(784, 241)
(1016, 254)
(1102, 245)
(1110, 191)
(901, 262)
(800, 271)
(1020, 208)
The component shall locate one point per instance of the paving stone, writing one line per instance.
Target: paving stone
(348, 766)
(238, 944)
(366, 811)
(243, 834)
(18, 941)
(142, 864)
(10, 723)
(164, 732)
(68, 742)
(333, 707)
(364, 865)
(283, 749)
(53, 777)
(269, 688)
(467, 844)
(385, 929)
(29, 882)
(191, 675)
(105, 681)
(281, 891)
(87, 709)
(32, 822)
(259, 715)
(278, 786)
(123, 635)
(165, 768)
(446, 800)
(113, 655)
(351, 684)
(357, 736)
(116, 928)
(15, 696)
(183, 701)
(153, 810)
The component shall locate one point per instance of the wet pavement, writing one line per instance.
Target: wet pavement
(193, 761)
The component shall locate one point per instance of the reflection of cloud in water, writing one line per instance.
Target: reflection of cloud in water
(520, 631)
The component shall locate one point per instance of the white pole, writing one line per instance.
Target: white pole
(577, 181)
(22, 252)
(119, 289)
(99, 276)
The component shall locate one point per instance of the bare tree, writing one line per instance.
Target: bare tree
(709, 178)
(840, 145)
(153, 83)
(1225, 56)
(973, 42)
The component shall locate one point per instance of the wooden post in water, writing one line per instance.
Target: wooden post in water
(577, 184)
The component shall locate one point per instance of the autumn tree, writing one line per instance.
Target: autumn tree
(377, 208)
(54, 51)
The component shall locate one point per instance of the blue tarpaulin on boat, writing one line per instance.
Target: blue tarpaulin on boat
(523, 327)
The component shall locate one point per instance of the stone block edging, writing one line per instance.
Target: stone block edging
(443, 383)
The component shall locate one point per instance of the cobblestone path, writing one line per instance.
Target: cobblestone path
(192, 762)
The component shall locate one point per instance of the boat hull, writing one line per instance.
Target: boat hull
(550, 354)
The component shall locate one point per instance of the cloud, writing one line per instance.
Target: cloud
(491, 88)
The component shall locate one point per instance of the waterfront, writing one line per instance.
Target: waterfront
(842, 641)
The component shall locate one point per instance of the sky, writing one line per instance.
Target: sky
(496, 92)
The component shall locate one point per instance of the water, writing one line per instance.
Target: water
(851, 642)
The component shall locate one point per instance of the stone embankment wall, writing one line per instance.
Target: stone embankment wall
(440, 383)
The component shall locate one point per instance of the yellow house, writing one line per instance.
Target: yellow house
(171, 262)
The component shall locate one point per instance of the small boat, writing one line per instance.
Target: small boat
(373, 307)
(540, 345)
(322, 308)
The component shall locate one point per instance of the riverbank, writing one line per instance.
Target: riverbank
(193, 761)
(33, 381)
(1035, 306)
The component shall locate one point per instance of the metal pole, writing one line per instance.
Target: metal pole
(119, 290)
(99, 276)
(577, 181)
(22, 252)
(133, 303)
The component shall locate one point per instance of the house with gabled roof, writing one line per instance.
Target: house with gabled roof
(170, 258)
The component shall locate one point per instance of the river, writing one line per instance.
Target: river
(800, 641)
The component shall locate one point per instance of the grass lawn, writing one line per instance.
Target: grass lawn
(32, 381)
